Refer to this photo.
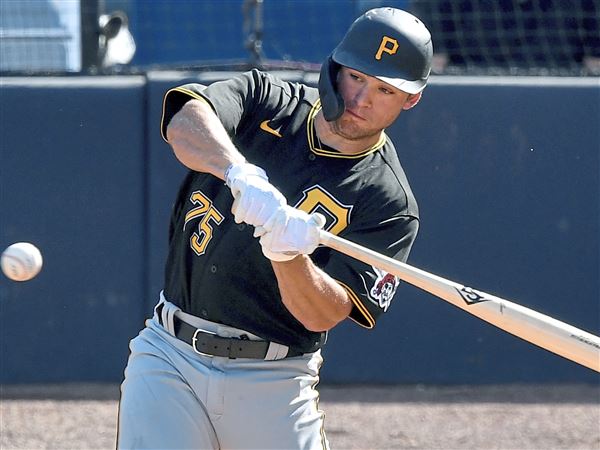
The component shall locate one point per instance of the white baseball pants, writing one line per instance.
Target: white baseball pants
(174, 398)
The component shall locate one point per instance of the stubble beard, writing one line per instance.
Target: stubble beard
(346, 129)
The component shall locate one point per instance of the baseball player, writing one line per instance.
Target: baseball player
(231, 357)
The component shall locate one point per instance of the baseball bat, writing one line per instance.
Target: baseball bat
(544, 331)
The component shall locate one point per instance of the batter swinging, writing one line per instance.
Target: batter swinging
(231, 357)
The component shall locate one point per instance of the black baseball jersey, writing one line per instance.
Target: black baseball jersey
(215, 268)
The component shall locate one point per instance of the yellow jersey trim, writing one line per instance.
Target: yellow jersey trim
(311, 135)
(370, 321)
(183, 91)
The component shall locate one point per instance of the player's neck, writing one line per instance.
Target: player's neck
(326, 134)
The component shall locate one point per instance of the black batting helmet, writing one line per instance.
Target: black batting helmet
(387, 43)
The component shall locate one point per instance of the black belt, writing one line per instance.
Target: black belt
(207, 343)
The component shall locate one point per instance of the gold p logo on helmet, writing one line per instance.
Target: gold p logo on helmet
(383, 47)
(387, 43)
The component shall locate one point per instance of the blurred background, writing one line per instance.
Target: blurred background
(502, 153)
(503, 37)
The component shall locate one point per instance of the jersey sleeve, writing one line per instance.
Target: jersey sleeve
(233, 100)
(371, 289)
(384, 218)
(173, 101)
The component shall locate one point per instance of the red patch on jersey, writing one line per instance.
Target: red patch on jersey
(384, 289)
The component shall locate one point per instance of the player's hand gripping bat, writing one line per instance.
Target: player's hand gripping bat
(544, 331)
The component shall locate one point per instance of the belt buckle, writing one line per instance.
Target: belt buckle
(195, 339)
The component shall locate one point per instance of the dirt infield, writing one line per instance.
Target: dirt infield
(83, 416)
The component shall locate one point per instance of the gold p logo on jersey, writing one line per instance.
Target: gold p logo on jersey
(384, 48)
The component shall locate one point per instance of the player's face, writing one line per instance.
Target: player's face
(371, 105)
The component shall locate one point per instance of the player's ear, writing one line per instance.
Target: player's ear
(412, 100)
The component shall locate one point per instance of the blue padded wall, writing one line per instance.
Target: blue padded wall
(506, 172)
(72, 172)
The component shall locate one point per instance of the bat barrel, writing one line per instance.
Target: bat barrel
(544, 331)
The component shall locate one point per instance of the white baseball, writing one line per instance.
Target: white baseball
(21, 261)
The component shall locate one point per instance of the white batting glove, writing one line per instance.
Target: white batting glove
(289, 233)
(255, 199)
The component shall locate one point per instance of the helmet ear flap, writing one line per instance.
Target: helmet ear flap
(331, 100)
